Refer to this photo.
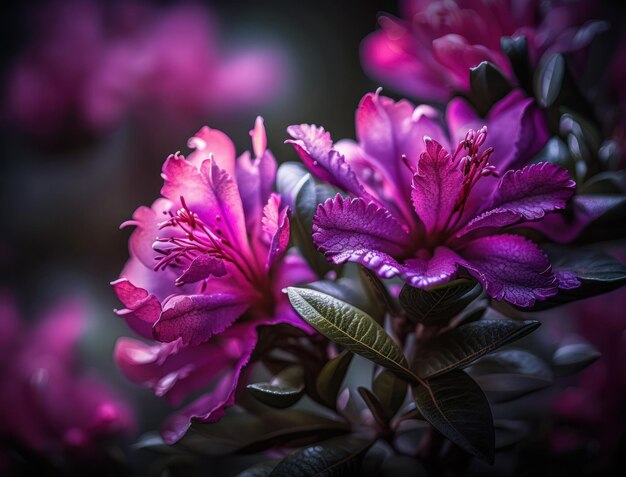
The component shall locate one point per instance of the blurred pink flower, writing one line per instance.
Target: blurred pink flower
(427, 54)
(208, 263)
(47, 403)
(95, 63)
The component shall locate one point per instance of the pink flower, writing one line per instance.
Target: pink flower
(429, 215)
(46, 403)
(207, 268)
(429, 52)
(94, 64)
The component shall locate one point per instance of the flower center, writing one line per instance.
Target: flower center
(197, 238)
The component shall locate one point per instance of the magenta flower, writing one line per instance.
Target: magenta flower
(94, 64)
(424, 214)
(46, 403)
(429, 52)
(206, 271)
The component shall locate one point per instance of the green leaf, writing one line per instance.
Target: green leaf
(390, 391)
(439, 304)
(377, 294)
(350, 328)
(344, 290)
(549, 79)
(262, 469)
(275, 395)
(509, 374)
(456, 407)
(331, 376)
(334, 457)
(461, 346)
(271, 428)
(597, 271)
(556, 152)
(374, 405)
(488, 85)
(574, 357)
(516, 49)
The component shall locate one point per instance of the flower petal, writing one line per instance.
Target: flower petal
(510, 268)
(429, 271)
(436, 187)
(359, 231)
(315, 147)
(195, 318)
(142, 309)
(212, 143)
(276, 228)
(201, 267)
(525, 194)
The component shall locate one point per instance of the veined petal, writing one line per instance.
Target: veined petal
(201, 267)
(510, 268)
(210, 407)
(525, 194)
(436, 187)
(356, 230)
(142, 309)
(430, 270)
(315, 147)
(255, 180)
(276, 228)
(195, 318)
(211, 143)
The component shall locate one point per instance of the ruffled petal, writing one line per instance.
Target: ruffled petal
(211, 143)
(527, 194)
(510, 268)
(315, 147)
(430, 270)
(195, 318)
(359, 231)
(142, 309)
(436, 187)
(276, 229)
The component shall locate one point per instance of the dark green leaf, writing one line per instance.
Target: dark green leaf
(289, 179)
(439, 304)
(350, 328)
(377, 294)
(613, 182)
(459, 347)
(334, 457)
(597, 271)
(457, 407)
(574, 357)
(344, 290)
(275, 395)
(263, 431)
(390, 391)
(516, 49)
(374, 405)
(557, 152)
(488, 85)
(509, 374)
(331, 376)
(262, 469)
(549, 79)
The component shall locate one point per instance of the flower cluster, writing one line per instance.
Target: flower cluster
(428, 54)
(95, 63)
(208, 263)
(422, 213)
(47, 404)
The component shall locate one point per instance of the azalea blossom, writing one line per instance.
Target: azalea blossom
(93, 64)
(47, 403)
(428, 212)
(207, 268)
(428, 53)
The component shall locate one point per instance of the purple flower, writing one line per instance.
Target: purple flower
(93, 64)
(428, 53)
(428, 215)
(46, 403)
(207, 268)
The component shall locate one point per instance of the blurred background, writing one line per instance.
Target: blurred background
(94, 96)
